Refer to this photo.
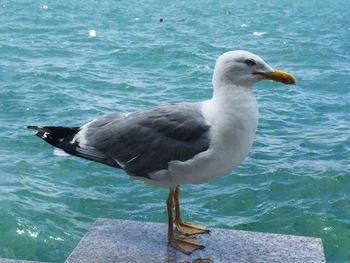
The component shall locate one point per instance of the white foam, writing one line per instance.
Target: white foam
(20, 231)
(256, 33)
(45, 7)
(33, 234)
(92, 32)
(56, 238)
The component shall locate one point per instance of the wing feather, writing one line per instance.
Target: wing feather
(146, 141)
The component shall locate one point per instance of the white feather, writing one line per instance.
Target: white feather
(60, 152)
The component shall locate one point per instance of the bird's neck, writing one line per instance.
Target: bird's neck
(232, 113)
(232, 104)
(230, 95)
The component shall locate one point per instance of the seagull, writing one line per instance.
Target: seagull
(175, 144)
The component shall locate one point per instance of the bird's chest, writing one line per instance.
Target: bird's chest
(233, 133)
(231, 146)
(236, 124)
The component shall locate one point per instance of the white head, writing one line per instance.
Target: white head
(244, 69)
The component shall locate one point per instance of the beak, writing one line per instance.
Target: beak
(279, 76)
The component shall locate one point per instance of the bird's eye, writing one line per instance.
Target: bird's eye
(250, 62)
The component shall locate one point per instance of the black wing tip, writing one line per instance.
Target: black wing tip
(32, 127)
(40, 131)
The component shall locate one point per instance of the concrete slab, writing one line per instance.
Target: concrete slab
(129, 241)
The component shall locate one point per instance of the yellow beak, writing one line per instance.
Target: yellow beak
(280, 76)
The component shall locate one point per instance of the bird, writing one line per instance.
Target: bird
(181, 143)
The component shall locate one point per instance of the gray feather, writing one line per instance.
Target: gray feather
(146, 141)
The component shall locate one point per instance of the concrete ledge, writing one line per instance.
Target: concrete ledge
(129, 241)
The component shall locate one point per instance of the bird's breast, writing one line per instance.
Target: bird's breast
(233, 126)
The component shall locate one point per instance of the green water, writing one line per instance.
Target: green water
(296, 179)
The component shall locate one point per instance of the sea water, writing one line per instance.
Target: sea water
(67, 62)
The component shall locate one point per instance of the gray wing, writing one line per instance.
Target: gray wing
(146, 141)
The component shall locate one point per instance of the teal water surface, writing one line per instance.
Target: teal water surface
(296, 179)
